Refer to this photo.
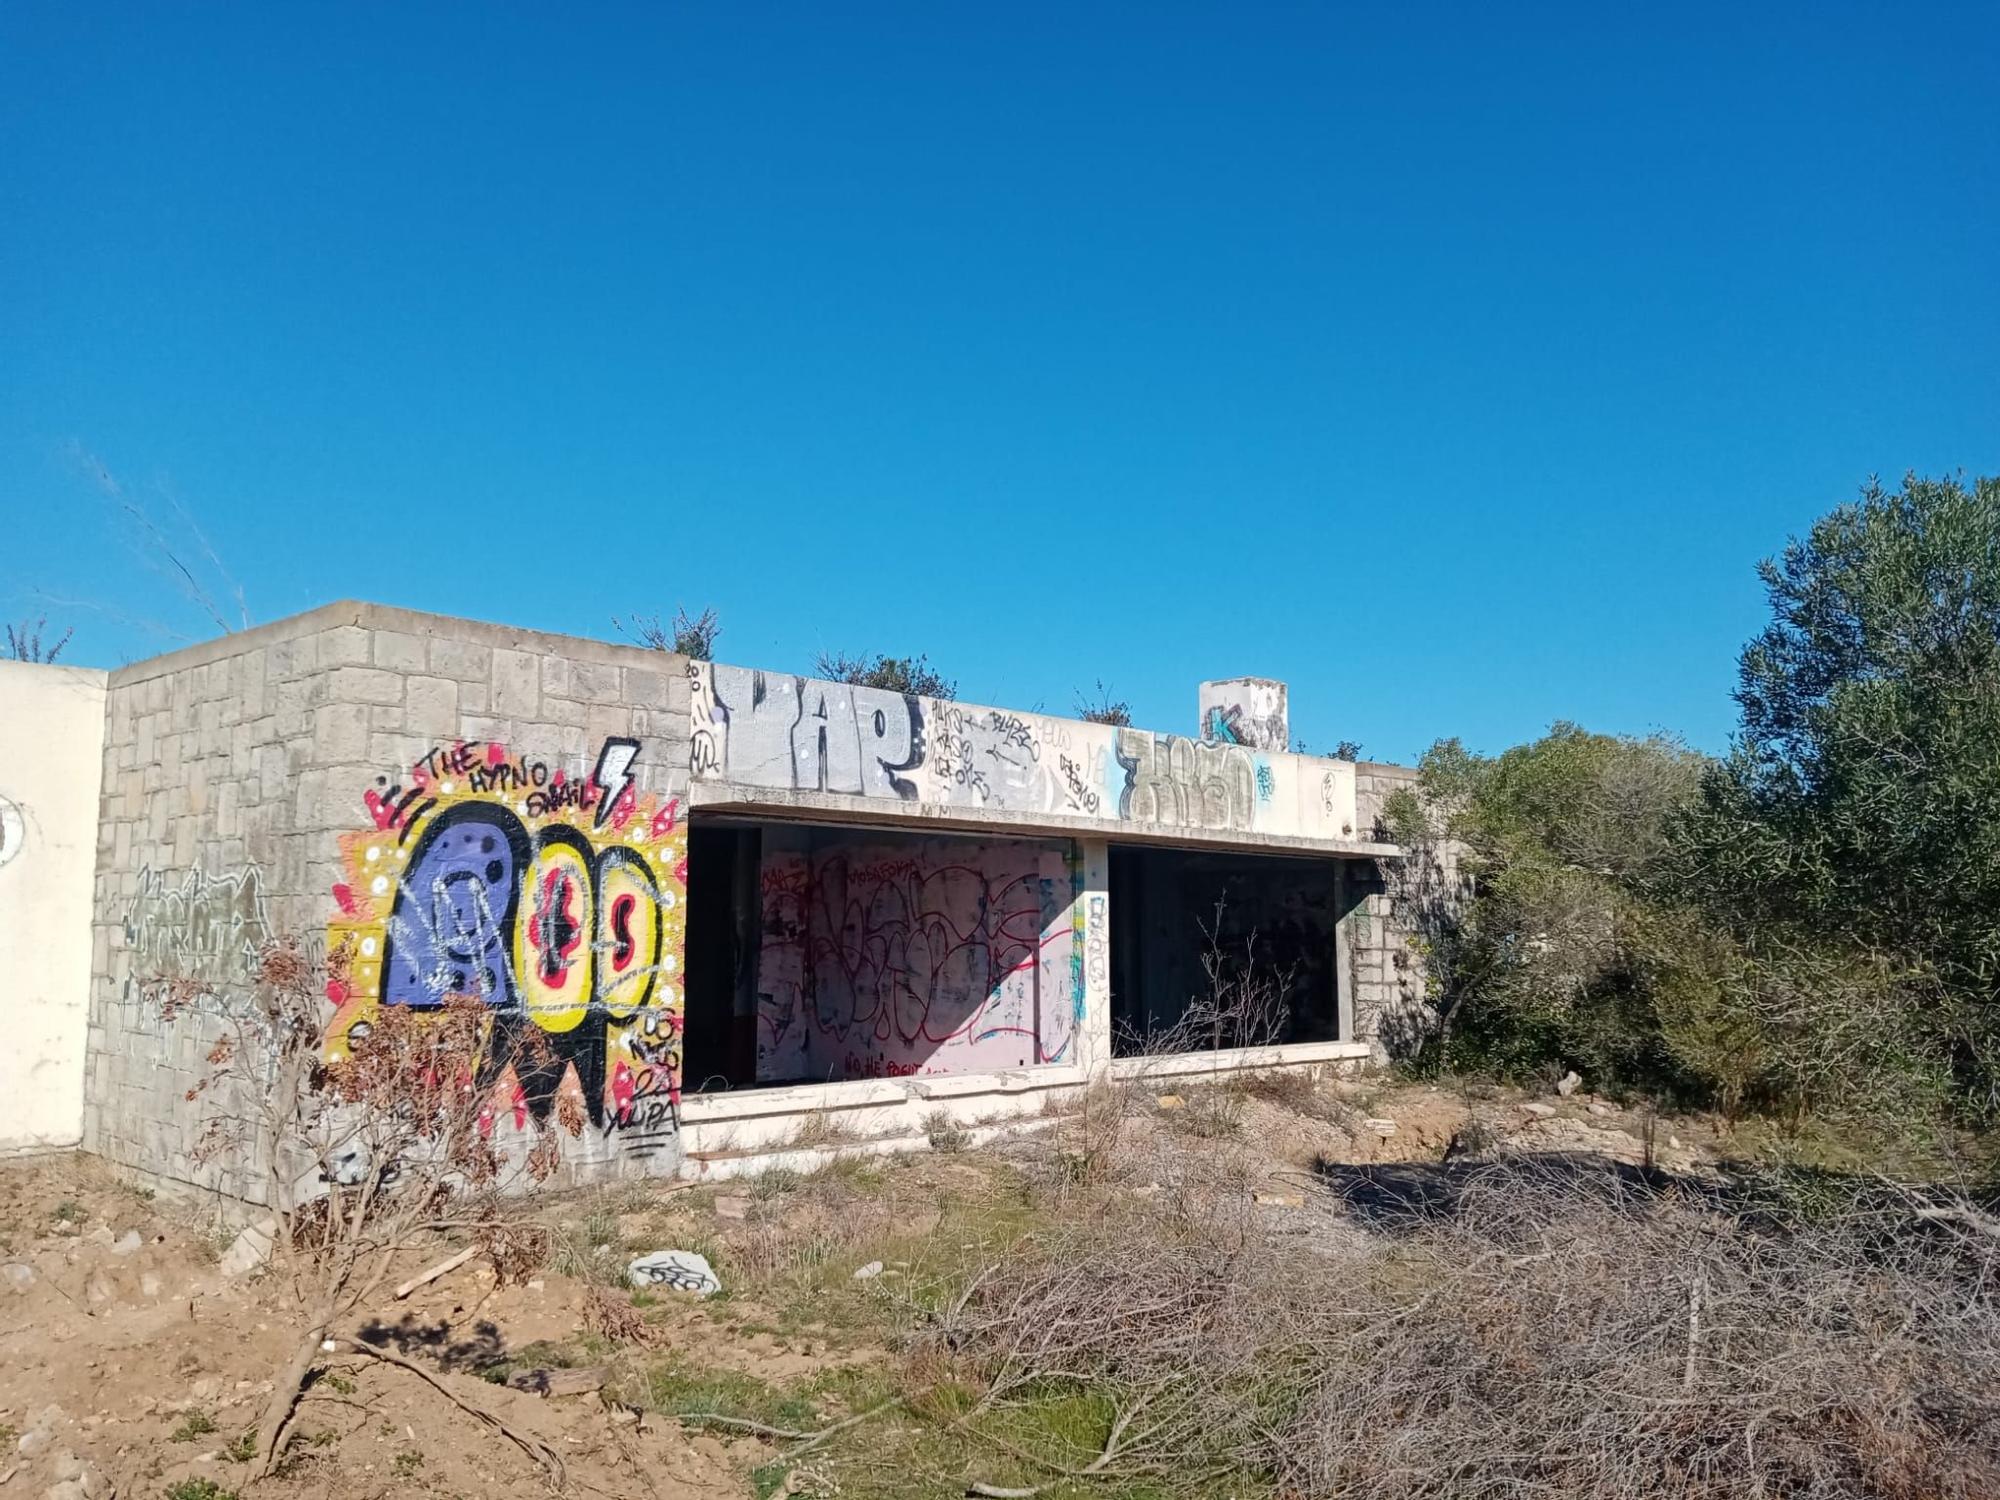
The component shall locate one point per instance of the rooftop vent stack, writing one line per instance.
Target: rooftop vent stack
(1248, 711)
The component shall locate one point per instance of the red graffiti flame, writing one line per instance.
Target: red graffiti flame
(667, 819)
(556, 932)
(383, 814)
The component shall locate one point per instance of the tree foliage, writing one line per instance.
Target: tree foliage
(1810, 925)
(1861, 804)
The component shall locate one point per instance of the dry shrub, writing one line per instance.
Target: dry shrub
(615, 1319)
(945, 1133)
(1087, 1141)
(1295, 1089)
(516, 1249)
(369, 1156)
(1551, 1325)
(822, 1130)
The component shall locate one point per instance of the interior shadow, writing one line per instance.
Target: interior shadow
(1402, 1197)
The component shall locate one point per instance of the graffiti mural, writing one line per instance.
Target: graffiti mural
(558, 901)
(13, 833)
(208, 928)
(770, 730)
(917, 956)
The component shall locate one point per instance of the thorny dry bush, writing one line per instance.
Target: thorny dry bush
(369, 1155)
(1527, 1325)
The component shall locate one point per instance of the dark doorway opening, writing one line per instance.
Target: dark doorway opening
(1212, 950)
(719, 1020)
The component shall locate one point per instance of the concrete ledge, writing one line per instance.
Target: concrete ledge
(409, 621)
(867, 1093)
(737, 799)
(1239, 1059)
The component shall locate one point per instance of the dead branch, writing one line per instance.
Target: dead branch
(807, 1441)
(442, 1268)
(550, 1461)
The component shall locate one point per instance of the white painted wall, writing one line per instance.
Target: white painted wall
(51, 757)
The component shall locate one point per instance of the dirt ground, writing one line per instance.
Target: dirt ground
(132, 1364)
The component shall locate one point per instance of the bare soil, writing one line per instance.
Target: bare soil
(131, 1364)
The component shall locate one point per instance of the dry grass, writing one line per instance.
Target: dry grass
(821, 1131)
(1530, 1325)
(1300, 1090)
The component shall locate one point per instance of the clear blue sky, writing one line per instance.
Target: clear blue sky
(1454, 363)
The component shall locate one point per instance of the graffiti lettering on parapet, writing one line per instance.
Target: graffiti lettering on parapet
(1083, 797)
(999, 759)
(765, 729)
(13, 833)
(1184, 783)
(706, 758)
(558, 900)
(208, 928)
(768, 729)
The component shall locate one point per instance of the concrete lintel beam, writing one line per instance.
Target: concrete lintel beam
(906, 817)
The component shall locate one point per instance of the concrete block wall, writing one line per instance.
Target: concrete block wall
(1384, 965)
(232, 770)
(1385, 946)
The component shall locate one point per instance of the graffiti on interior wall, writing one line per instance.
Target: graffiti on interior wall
(558, 901)
(13, 832)
(208, 928)
(886, 961)
(767, 729)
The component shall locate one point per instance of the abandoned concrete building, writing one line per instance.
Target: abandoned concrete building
(732, 900)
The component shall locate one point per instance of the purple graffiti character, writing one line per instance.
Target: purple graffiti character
(449, 930)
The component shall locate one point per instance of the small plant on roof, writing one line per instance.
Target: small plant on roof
(1101, 708)
(24, 641)
(686, 635)
(897, 674)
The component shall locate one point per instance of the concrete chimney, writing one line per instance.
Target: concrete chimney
(1249, 711)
